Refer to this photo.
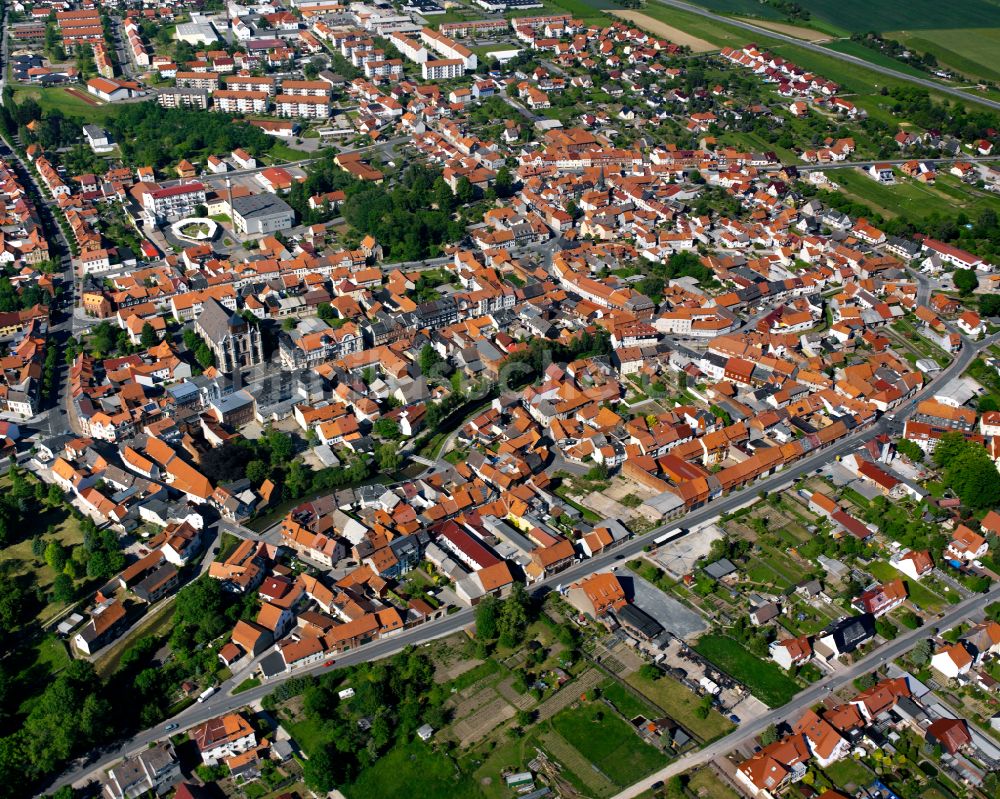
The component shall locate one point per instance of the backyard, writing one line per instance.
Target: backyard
(682, 703)
(763, 679)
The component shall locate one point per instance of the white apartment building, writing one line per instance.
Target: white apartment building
(305, 107)
(305, 88)
(393, 68)
(449, 48)
(174, 202)
(235, 102)
(250, 83)
(442, 69)
(409, 48)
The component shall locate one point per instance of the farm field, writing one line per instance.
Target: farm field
(798, 31)
(874, 56)
(909, 198)
(862, 15)
(764, 679)
(971, 51)
(661, 28)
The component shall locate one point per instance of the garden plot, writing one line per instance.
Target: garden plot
(487, 718)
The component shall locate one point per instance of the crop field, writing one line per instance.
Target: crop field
(798, 31)
(874, 56)
(660, 28)
(971, 51)
(857, 16)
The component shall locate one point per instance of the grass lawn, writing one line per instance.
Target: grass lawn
(487, 772)
(413, 770)
(923, 596)
(307, 733)
(764, 679)
(57, 98)
(246, 685)
(847, 771)
(625, 701)
(606, 741)
(704, 783)
(680, 703)
(17, 559)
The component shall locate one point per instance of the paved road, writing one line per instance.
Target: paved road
(224, 701)
(888, 72)
(810, 696)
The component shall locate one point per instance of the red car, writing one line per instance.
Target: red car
(330, 662)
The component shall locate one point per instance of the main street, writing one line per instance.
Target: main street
(224, 701)
(927, 83)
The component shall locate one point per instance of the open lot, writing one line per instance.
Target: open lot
(661, 28)
(764, 679)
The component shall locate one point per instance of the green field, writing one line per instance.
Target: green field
(680, 704)
(55, 98)
(764, 679)
(412, 770)
(911, 199)
(971, 51)
(861, 15)
(606, 741)
(868, 54)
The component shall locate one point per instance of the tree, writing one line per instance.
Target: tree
(650, 672)
(989, 305)
(514, 617)
(504, 183)
(281, 447)
(148, 337)
(386, 428)
(256, 472)
(55, 555)
(909, 449)
(920, 655)
(769, 735)
(487, 618)
(965, 281)
(429, 359)
(389, 458)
